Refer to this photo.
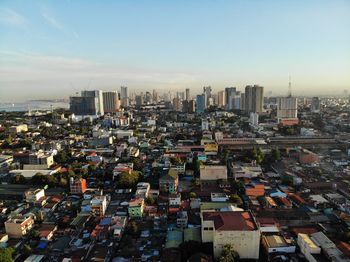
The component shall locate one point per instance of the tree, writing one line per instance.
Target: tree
(236, 199)
(137, 164)
(128, 180)
(133, 229)
(6, 254)
(150, 200)
(27, 250)
(228, 254)
(18, 179)
(275, 155)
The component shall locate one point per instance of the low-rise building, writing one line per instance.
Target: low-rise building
(78, 186)
(175, 199)
(34, 194)
(213, 172)
(237, 228)
(136, 207)
(98, 205)
(142, 190)
(18, 129)
(18, 227)
(277, 244)
(169, 182)
(181, 219)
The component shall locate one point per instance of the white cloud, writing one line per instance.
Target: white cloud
(12, 18)
(48, 16)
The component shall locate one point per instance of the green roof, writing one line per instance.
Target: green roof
(79, 220)
(172, 175)
(214, 205)
(61, 244)
(192, 234)
(174, 239)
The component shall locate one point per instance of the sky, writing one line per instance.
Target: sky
(53, 49)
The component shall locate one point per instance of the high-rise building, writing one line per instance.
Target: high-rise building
(315, 104)
(139, 100)
(200, 103)
(254, 99)
(242, 101)
(287, 108)
(188, 106)
(148, 98)
(124, 96)
(187, 94)
(180, 95)
(111, 102)
(177, 105)
(155, 96)
(98, 95)
(221, 102)
(207, 94)
(230, 93)
(89, 103)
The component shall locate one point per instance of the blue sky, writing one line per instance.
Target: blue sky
(55, 48)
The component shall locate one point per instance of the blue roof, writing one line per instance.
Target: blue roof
(42, 245)
(106, 221)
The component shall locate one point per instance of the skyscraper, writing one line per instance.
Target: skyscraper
(89, 103)
(287, 109)
(111, 102)
(139, 100)
(155, 96)
(187, 94)
(124, 97)
(315, 104)
(221, 99)
(230, 93)
(200, 103)
(177, 105)
(207, 94)
(254, 99)
(98, 95)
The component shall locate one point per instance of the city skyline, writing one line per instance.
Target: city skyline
(49, 51)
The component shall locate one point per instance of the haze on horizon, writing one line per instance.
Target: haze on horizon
(53, 49)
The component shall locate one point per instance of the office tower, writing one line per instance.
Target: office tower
(177, 104)
(82, 106)
(242, 101)
(207, 94)
(155, 96)
(200, 103)
(254, 99)
(230, 93)
(180, 95)
(315, 104)
(205, 124)
(254, 119)
(148, 98)
(187, 94)
(111, 102)
(287, 109)
(89, 103)
(237, 101)
(188, 106)
(124, 97)
(221, 99)
(139, 100)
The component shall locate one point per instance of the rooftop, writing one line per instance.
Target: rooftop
(231, 221)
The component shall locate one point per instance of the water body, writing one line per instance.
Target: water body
(32, 105)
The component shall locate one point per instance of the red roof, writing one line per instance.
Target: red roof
(344, 247)
(304, 230)
(231, 221)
